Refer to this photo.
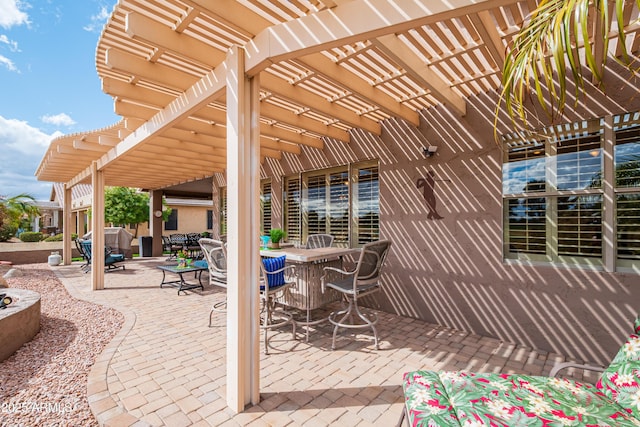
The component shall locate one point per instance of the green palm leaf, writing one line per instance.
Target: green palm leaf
(558, 41)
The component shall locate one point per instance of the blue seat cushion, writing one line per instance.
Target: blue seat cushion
(271, 265)
(112, 258)
(201, 263)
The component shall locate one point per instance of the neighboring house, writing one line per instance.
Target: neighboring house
(50, 219)
(187, 215)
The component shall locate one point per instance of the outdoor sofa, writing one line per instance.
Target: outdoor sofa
(437, 398)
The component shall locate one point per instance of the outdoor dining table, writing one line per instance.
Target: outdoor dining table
(307, 295)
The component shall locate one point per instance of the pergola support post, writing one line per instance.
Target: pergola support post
(243, 207)
(66, 227)
(155, 204)
(97, 228)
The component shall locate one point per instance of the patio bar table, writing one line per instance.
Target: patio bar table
(307, 295)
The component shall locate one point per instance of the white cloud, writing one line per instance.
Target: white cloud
(13, 45)
(59, 120)
(6, 62)
(12, 13)
(22, 147)
(97, 21)
(19, 135)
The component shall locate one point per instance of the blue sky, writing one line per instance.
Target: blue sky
(48, 83)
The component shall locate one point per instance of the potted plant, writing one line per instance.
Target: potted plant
(277, 234)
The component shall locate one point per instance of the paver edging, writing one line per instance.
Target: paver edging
(97, 385)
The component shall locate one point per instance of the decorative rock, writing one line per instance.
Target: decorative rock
(14, 272)
(5, 266)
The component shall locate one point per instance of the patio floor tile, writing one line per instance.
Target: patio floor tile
(167, 366)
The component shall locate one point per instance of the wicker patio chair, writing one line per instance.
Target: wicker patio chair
(215, 257)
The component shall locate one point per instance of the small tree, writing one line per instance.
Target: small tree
(123, 205)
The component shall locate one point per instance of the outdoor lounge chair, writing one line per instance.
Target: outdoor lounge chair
(363, 280)
(459, 398)
(86, 266)
(276, 278)
(215, 259)
(111, 260)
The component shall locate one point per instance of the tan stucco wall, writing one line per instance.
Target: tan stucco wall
(191, 219)
(450, 271)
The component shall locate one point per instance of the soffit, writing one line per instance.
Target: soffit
(151, 52)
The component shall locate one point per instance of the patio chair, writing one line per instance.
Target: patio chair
(276, 278)
(167, 246)
(86, 266)
(193, 246)
(319, 241)
(363, 280)
(215, 258)
(111, 260)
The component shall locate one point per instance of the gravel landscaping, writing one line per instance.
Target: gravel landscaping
(45, 382)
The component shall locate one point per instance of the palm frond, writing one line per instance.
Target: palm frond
(557, 42)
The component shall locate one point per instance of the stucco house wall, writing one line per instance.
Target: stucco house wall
(451, 271)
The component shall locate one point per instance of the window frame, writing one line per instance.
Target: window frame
(603, 185)
(300, 208)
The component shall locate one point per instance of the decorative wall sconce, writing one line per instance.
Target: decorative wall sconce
(430, 150)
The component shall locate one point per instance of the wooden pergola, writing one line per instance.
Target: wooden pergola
(216, 86)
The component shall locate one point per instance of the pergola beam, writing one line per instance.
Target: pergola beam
(275, 85)
(145, 29)
(207, 89)
(486, 28)
(360, 88)
(336, 27)
(395, 49)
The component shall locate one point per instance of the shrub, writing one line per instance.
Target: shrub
(31, 236)
(277, 234)
(56, 238)
(7, 231)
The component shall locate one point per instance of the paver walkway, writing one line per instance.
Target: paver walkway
(167, 367)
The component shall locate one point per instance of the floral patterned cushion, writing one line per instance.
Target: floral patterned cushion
(473, 399)
(621, 380)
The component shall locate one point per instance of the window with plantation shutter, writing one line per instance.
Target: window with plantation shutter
(316, 205)
(556, 193)
(292, 209)
(329, 206)
(627, 185)
(339, 207)
(265, 207)
(527, 225)
(580, 226)
(367, 204)
(628, 227)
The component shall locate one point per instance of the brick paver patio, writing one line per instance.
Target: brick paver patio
(167, 367)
